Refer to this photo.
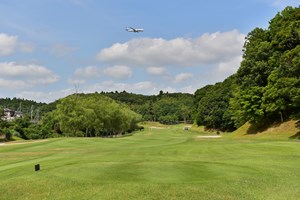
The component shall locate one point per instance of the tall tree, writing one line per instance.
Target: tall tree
(268, 77)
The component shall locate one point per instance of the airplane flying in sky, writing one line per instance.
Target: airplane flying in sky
(135, 30)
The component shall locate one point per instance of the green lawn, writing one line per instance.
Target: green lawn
(153, 164)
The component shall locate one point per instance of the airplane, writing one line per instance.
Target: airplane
(135, 30)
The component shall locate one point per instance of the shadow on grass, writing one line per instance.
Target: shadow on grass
(3, 140)
(297, 135)
(257, 128)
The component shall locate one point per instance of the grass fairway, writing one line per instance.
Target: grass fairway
(164, 163)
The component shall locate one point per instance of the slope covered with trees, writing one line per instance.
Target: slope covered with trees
(269, 75)
(266, 87)
(212, 105)
(167, 108)
(23, 105)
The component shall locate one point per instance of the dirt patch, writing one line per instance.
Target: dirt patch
(156, 127)
(209, 136)
(15, 143)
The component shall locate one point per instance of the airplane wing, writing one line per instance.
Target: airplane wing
(133, 29)
(136, 30)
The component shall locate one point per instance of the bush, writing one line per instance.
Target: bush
(8, 133)
(169, 119)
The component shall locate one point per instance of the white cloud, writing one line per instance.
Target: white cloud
(82, 74)
(183, 77)
(144, 87)
(207, 49)
(45, 96)
(229, 67)
(158, 71)
(8, 44)
(189, 89)
(88, 72)
(222, 71)
(169, 89)
(76, 81)
(21, 76)
(12, 84)
(118, 72)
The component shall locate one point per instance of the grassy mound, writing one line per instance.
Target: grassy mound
(285, 130)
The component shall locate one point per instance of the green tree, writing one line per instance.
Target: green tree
(94, 115)
(268, 78)
(212, 105)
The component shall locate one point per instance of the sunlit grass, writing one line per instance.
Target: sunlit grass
(166, 163)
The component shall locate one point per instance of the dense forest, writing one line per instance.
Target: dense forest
(23, 105)
(77, 115)
(167, 108)
(212, 108)
(265, 89)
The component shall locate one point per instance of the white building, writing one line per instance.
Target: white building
(10, 115)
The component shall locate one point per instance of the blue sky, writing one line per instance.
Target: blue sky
(51, 48)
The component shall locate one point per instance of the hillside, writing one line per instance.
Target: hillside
(24, 105)
(287, 129)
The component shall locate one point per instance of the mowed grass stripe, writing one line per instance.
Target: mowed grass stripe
(153, 164)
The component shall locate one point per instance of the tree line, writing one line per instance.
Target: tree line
(167, 108)
(99, 114)
(77, 115)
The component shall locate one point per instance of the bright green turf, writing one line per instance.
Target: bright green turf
(158, 164)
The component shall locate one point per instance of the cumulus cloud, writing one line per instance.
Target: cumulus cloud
(118, 72)
(93, 72)
(81, 74)
(144, 87)
(46, 97)
(183, 77)
(88, 72)
(11, 84)
(189, 89)
(158, 71)
(222, 71)
(209, 48)
(21, 76)
(230, 66)
(8, 44)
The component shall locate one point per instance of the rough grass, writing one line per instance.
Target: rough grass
(152, 164)
(283, 130)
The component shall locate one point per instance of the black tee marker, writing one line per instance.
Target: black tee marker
(37, 167)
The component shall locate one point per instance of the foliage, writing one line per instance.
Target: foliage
(212, 105)
(23, 105)
(93, 115)
(177, 106)
(268, 77)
